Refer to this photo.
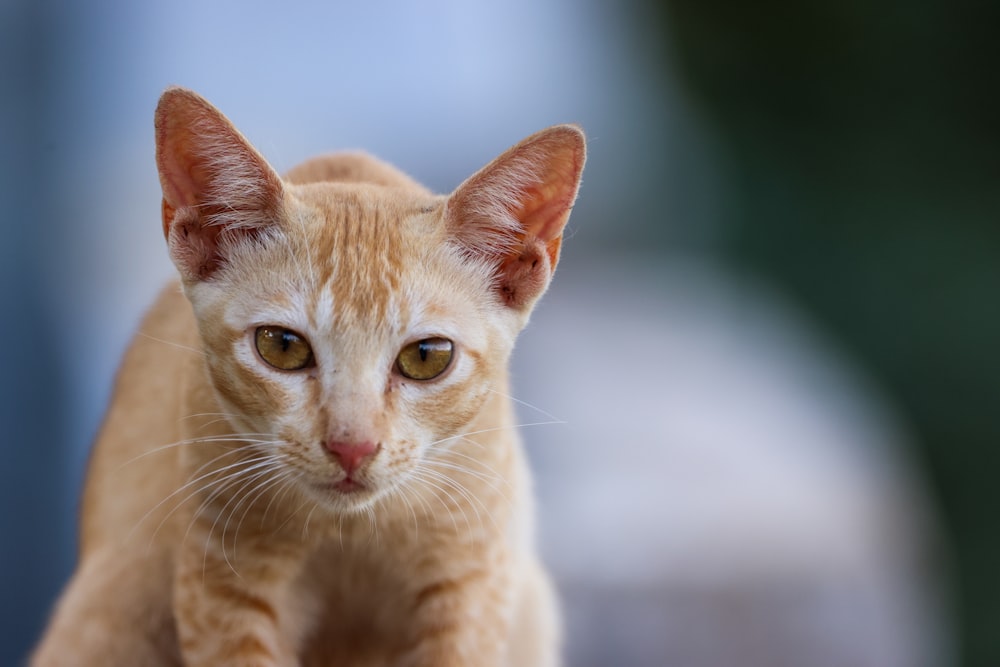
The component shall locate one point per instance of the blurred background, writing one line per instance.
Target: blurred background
(773, 337)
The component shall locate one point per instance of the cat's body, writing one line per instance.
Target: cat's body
(346, 486)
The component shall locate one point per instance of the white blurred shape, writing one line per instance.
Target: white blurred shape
(726, 472)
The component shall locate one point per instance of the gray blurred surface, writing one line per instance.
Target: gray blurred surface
(727, 489)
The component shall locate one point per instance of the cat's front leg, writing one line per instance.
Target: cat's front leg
(229, 612)
(460, 621)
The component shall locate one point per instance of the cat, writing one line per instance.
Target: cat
(310, 456)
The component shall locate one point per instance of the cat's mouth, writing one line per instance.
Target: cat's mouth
(349, 485)
(347, 488)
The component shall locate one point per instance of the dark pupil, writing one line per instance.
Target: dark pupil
(286, 341)
(424, 349)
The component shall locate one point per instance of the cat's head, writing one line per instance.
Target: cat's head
(356, 327)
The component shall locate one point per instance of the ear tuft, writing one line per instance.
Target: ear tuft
(216, 186)
(512, 212)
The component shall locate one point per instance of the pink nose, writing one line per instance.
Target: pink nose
(351, 455)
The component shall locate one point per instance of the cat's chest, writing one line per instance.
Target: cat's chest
(358, 597)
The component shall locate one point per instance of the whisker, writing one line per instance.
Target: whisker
(526, 404)
(287, 482)
(221, 485)
(257, 492)
(493, 429)
(219, 417)
(292, 515)
(305, 525)
(405, 488)
(194, 493)
(194, 441)
(490, 480)
(173, 344)
(490, 472)
(258, 469)
(213, 421)
(179, 489)
(207, 414)
(419, 474)
(472, 498)
(372, 525)
(283, 474)
(400, 492)
(340, 530)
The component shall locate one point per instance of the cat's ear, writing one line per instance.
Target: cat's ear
(513, 211)
(217, 189)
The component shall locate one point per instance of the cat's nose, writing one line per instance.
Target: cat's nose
(352, 455)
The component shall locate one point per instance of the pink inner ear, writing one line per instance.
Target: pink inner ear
(553, 162)
(186, 127)
(213, 181)
(514, 210)
(204, 161)
(180, 187)
(546, 208)
(527, 192)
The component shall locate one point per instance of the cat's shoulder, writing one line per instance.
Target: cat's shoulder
(351, 167)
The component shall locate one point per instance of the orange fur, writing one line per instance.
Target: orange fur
(216, 528)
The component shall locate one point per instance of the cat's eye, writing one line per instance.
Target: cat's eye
(425, 359)
(283, 348)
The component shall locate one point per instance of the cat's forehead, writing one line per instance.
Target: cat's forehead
(376, 257)
(370, 217)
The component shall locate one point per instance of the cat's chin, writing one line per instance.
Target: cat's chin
(346, 496)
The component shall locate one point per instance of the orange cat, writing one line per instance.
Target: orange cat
(312, 459)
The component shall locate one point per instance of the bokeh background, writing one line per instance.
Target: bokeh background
(772, 343)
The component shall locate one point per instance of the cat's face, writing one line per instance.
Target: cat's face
(353, 330)
(353, 322)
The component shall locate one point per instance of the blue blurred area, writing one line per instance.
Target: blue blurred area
(702, 156)
(37, 480)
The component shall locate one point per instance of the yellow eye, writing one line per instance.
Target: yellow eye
(425, 359)
(282, 348)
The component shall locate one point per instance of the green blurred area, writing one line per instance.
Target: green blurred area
(861, 148)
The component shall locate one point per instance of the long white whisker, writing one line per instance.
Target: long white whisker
(526, 404)
(401, 493)
(288, 481)
(372, 524)
(404, 486)
(257, 469)
(292, 515)
(420, 474)
(207, 414)
(231, 478)
(181, 488)
(468, 495)
(196, 441)
(340, 531)
(488, 469)
(305, 525)
(493, 429)
(266, 483)
(490, 480)
(222, 480)
(452, 483)
(172, 344)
